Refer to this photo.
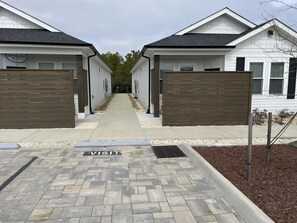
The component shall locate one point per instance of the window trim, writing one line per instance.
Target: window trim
(258, 78)
(276, 78)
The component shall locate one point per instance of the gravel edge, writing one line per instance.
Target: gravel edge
(243, 206)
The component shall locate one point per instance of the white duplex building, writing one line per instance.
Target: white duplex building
(28, 43)
(225, 41)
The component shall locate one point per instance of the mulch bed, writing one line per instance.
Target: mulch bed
(274, 184)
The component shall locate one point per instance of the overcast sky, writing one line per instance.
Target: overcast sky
(125, 25)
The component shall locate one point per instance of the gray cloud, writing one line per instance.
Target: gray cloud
(113, 25)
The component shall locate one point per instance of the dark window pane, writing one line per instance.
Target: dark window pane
(186, 67)
(277, 69)
(161, 86)
(276, 87)
(75, 87)
(257, 69)
(257, 86)
(240, 61)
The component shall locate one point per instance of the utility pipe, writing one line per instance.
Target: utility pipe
(89, 82)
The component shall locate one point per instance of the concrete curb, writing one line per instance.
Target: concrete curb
(9, 146)
(111, 144)
(244, 206)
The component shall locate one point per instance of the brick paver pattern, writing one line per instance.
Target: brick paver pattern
(64, 186)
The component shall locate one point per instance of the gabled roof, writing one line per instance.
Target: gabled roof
(194, 41)
(271, 23)
(225, 11)
(28, 17)
(38, 36)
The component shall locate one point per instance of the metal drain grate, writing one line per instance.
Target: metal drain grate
(167, 152)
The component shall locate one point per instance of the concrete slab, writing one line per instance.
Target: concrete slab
(160, 133)
(58, 135)
(16, 135)
(8, 146)
(112, 143)
(117, 134)
(201, 132)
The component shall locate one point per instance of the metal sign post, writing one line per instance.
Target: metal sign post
(268, 137)
(250, 142)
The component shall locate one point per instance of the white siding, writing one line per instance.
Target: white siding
(11, 20)
(98, 75)
(223, 24)
(263, 48)
(141, 76)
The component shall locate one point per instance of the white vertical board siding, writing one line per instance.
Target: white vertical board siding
(141, 75)
(98, 75)
(13, 21)
(223, 24)
(263, 48)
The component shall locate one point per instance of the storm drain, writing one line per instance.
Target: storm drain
(167, 152)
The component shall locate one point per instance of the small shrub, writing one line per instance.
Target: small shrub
(259, 117)
(282, 115)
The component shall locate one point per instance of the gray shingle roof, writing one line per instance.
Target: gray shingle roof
(194, 40)
(39, 36)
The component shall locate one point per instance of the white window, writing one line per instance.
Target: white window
(186, 67)
(46, 66)
(257, 69)
(276, 78)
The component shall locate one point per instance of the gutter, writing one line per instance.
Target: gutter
(89, 82)
(149, 82)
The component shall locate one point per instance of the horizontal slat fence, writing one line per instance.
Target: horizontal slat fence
(206, 98)
(36, 99)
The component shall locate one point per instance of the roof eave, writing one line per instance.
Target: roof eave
(268, 24)
(45, 43)
(215, 15)
(191, 47)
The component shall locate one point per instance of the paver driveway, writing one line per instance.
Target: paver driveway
(64, 186)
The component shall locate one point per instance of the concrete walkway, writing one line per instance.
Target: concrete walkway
(120, 122)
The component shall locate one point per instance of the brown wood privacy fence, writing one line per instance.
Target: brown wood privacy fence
(206, 98)
(36, 99)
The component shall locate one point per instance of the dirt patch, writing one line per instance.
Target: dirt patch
(274, 184)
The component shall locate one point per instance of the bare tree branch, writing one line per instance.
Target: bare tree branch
(288, 6)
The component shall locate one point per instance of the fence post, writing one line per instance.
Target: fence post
(268, 137)
(250, 142)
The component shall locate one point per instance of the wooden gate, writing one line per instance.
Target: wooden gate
(206, 98)
(36, 99)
